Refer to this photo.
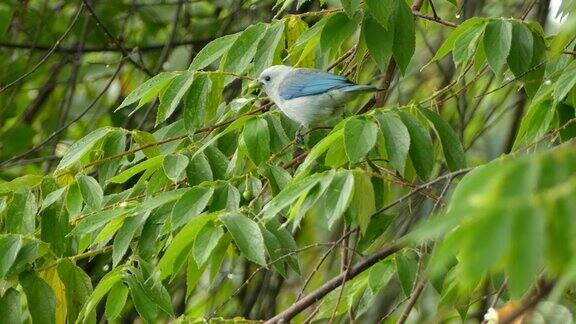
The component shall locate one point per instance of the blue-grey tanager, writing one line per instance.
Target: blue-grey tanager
(309, 96)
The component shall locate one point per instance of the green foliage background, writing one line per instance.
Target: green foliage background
(144, 177)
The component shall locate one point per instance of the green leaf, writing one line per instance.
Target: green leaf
(40, 297)
(145, 139)
(337, 29)
(288, 195)
(257, 139)
(21, 214)
(359, 138)
(150, 164)
(198, 170)
(527, 251)
(364, 203)
(350, 7)
(5, 19)
(10, 307)
(406, 268)
(566, 82)
(177, 252)
(397, 139)
(404, 35)
(116, 300)
(380, 275)
(243, 49)
(268, 51)
(381, 11)
(453, 150)
(174, 165)
(247, 236)
(191, 204)
(9, 247)
(150, 88)
(28, 181)
(91, 191)
(421, 148)
(104, 285)
(78, 289)
(170, 98)
(212, 51)
(94, 221)
(205, 242)
(82, 147)
(52, 198)
(520, 57)
(378, 40)
(124, 236)
(448, 45)
(144, 305)
(319, 149)
(497, 42)
(338, 196)
(196, 102)
(466, 43)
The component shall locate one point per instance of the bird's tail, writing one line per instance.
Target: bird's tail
(360, 88)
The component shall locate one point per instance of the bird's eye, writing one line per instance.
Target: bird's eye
(267, 78)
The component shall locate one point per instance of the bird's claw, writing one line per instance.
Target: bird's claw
(299, 138)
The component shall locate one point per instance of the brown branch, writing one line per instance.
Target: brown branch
(91, 49)
(50, 51)
(310, 299)
(540, 292)
(64, 127)
(108, 34)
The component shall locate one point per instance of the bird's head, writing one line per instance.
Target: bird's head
(271, 77)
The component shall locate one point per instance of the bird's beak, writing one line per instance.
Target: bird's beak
(255, 85)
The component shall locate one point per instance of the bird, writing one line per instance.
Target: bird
(309, 96)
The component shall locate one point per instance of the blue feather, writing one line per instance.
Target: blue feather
(304, 82)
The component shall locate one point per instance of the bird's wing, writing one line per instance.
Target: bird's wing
(304, 82)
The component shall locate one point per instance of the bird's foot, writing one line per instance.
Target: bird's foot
(299, 137)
